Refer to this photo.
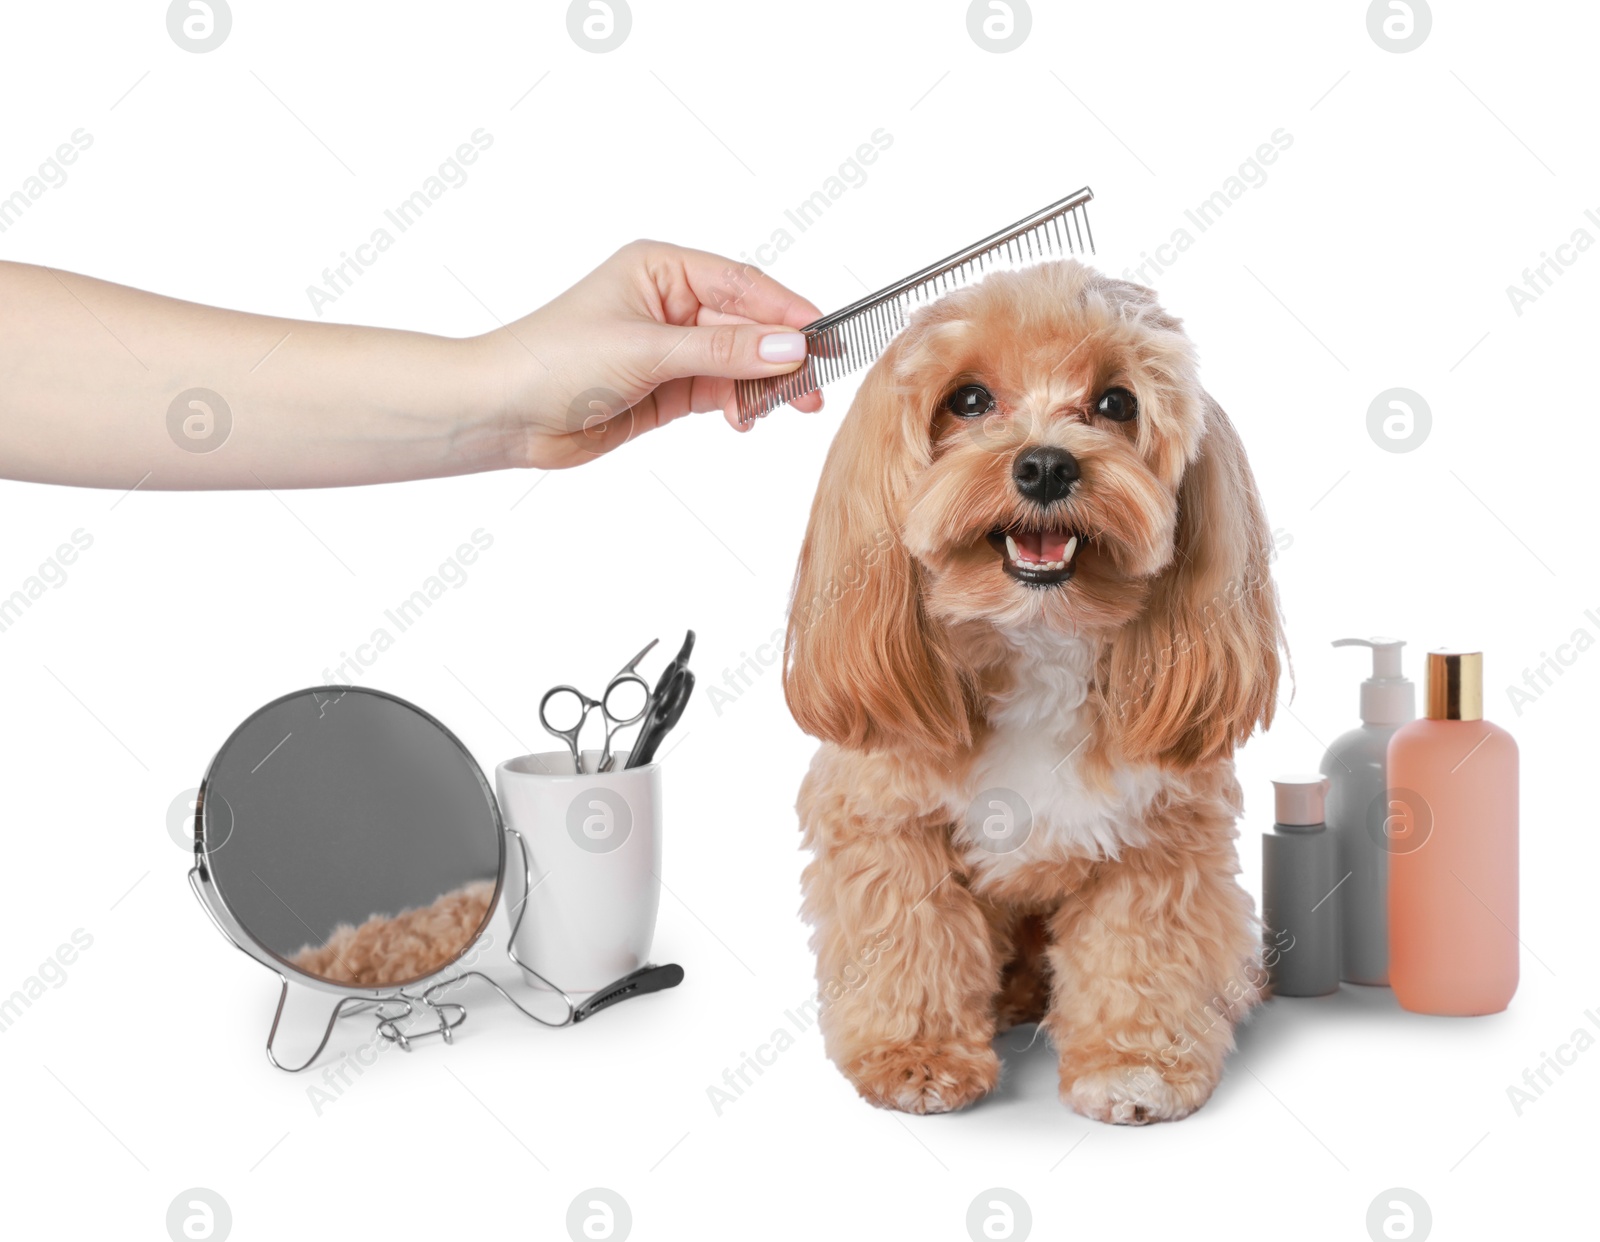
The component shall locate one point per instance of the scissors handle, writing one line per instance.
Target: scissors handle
(570, 736)
(615, 722)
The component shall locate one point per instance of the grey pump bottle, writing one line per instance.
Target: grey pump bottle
(1297, 880)
(1356, 766)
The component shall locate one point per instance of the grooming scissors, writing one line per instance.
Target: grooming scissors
(626, 677)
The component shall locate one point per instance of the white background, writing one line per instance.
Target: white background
(1376, 254)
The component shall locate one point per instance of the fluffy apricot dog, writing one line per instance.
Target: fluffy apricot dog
(1032, 620)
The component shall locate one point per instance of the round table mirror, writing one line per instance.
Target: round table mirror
(351, 838)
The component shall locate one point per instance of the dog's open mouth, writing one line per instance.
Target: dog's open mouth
(1037, 557)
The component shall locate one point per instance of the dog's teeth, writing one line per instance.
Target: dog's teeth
(1072, 546)
(1011, 549)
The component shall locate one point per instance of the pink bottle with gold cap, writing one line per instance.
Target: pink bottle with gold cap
(1451, 831)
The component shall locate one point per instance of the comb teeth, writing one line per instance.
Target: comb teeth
(857, 335)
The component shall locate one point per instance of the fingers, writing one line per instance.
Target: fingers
(808, 404)
(697, 394)
(727, 351)
(744, 327)
(709, 317)
(743, 289)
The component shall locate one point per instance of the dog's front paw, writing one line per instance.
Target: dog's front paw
(1133, 1094)
(924, 1077)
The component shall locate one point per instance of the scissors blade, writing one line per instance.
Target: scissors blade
(633, 664)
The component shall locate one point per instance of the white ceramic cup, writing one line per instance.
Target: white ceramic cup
(594, 850)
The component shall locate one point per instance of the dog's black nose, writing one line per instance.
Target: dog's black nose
(1044, 474)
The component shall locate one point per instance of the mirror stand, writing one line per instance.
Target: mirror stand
(387, 1025)
(394, 1006)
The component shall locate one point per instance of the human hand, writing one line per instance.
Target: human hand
(655, 332)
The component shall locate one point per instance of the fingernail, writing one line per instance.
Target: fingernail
(783, 347)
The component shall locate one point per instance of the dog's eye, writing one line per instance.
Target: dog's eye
(970, 401)
(1117, 404)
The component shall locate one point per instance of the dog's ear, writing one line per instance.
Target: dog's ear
(1193, 675)
(864, 665)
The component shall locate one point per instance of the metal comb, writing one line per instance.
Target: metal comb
(857, 335)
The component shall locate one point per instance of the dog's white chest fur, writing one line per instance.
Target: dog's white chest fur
(1026, 801)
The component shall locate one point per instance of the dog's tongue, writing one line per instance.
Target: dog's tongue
(1042, 545)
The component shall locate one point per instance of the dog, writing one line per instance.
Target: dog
(1032, 619)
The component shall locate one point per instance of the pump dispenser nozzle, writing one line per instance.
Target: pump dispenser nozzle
(1387, 697)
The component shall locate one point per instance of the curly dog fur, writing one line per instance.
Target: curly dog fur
(404, 947)
(1029, 698)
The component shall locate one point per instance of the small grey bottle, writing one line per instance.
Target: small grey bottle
(1299, 872)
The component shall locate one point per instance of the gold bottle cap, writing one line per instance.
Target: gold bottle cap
(1455, 685)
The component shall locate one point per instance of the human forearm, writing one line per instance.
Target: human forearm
(89, 372)
(106, 386)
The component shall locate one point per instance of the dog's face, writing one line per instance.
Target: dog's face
(1061, 411)
(1036, 451)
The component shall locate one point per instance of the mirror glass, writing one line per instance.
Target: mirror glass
(352, 836)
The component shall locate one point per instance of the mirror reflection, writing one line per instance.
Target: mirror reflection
(352, 837)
